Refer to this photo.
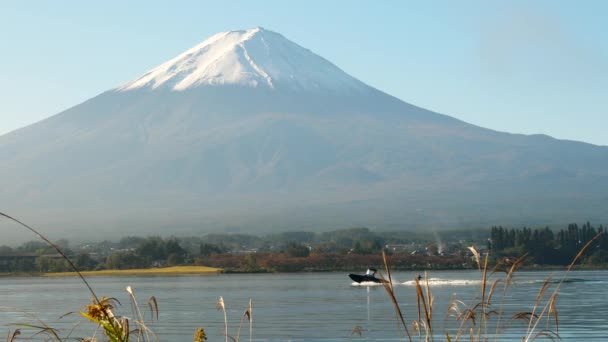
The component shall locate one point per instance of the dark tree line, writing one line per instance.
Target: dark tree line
(140, 252)
(546, 247)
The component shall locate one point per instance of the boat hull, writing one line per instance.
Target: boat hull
(364, 278)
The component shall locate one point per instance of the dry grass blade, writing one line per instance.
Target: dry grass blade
(57, 249)
(491, 312)
(468, 315)
(540, 296)
(153, 305)
(498, 267)
(416, 326)
(542, 290)
(484, 281)
(43, 329)
(134, 309)
(455, 307)
(583, 250)
(125, 324)
(492, 289)
(525, 315)
(464, 315)
(513, 268)
(388, 271)
(553, 311)
(548, 334)
(357, 330)
(13, 337)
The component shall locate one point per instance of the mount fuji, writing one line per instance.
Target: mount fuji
(250, 132)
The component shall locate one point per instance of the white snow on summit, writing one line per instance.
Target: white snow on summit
(252, 58)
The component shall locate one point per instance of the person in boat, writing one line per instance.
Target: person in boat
(371, 272)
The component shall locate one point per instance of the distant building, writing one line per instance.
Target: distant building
(11, 258)
(400, 248)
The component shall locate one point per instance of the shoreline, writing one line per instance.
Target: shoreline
(205, 270)
(174, 270)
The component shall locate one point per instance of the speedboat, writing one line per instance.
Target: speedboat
(368, 277)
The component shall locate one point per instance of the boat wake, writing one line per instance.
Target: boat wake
(553, 281)
(444, 282)
(371, 283)
(431, 282)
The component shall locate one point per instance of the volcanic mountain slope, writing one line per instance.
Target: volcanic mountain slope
(249, 131)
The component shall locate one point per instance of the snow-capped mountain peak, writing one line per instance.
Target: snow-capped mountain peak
(250, 58)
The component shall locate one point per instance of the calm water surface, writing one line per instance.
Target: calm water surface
(301, 307)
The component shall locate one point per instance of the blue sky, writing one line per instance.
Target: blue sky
(515, 66)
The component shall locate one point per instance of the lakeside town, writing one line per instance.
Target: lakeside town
(340, 250)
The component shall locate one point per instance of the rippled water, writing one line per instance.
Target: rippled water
(304, 306)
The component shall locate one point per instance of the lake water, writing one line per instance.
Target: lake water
(303, 306)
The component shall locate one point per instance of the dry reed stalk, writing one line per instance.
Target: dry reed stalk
(250, 316)
(426, 307)
(454, 306)
(430, 298)
(514, 268)
(221, 306)
(508, 280)
(467, 314)
(484, 278)
(484, 304)
(139, 317)
(551, 303)
(388, 286)
(553, 311)
(493, 289)
(247, 314)
(476, 255)
(539, 297)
